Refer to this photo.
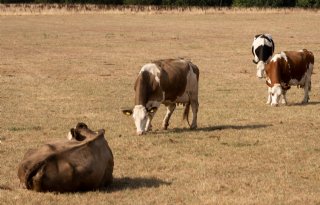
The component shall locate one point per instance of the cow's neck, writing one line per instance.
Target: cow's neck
(274, 73)
(144, 87)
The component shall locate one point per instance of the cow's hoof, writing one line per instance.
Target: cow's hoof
(305, 101)
(141, 133)
(193, 127)
(165, 127)
(149, 128)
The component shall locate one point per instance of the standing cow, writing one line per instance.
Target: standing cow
(289, 68)
(167, 82)
(262, 50)
(85, 162)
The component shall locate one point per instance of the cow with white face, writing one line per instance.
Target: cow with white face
(262, 50)
(168, 82)
(289, 68)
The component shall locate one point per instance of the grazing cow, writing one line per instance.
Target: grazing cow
(262, 50)
(289, 68)
(85, 162)
(167, 82)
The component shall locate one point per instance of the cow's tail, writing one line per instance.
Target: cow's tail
(186, 113)
(34, 175)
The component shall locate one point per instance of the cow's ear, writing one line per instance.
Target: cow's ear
(101, 132)
(152, 110)
(127, 111)
(71, 134)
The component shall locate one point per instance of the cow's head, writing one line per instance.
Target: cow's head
(82, 132)
(275, 92)
(141, 116)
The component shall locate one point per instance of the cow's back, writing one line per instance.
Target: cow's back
(173, 76)
(297, 64)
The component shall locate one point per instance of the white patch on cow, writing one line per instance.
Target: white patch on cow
(69, 136)
(260, 42)
(276, 92)
(261, 69)
(276, 57)
(153, 69)
(191, 87)
(284, 56)
(140, 117)
(279, 56)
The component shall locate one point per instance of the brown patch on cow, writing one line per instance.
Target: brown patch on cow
(173, 74)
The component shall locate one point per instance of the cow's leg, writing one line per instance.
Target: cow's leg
(148, 125)
(194, 107)
(307, 85)
(307, 88)
(170, 109)
(284, 98)
(269, 96)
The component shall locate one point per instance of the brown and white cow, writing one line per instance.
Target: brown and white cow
(167, 82)
(289, 68)
(85, 162)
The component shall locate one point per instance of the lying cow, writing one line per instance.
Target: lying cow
(262, 50)
(289, 68)
(167, 82)
(83, 163)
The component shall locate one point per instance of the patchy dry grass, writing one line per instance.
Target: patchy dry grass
(56, 70)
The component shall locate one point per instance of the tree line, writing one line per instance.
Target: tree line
(200, 3)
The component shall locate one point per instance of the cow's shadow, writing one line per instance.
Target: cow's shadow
(213, 128)
(303, 104)
(125, 183)
(233, 127)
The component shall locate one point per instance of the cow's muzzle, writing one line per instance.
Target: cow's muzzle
(255, 62)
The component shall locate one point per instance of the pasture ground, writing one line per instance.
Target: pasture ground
(59, 69)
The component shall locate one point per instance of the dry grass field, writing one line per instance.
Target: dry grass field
(59, 69)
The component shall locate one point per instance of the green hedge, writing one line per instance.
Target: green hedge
(202, 3)
(308, 3)
(180, 2)
(264, 3)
